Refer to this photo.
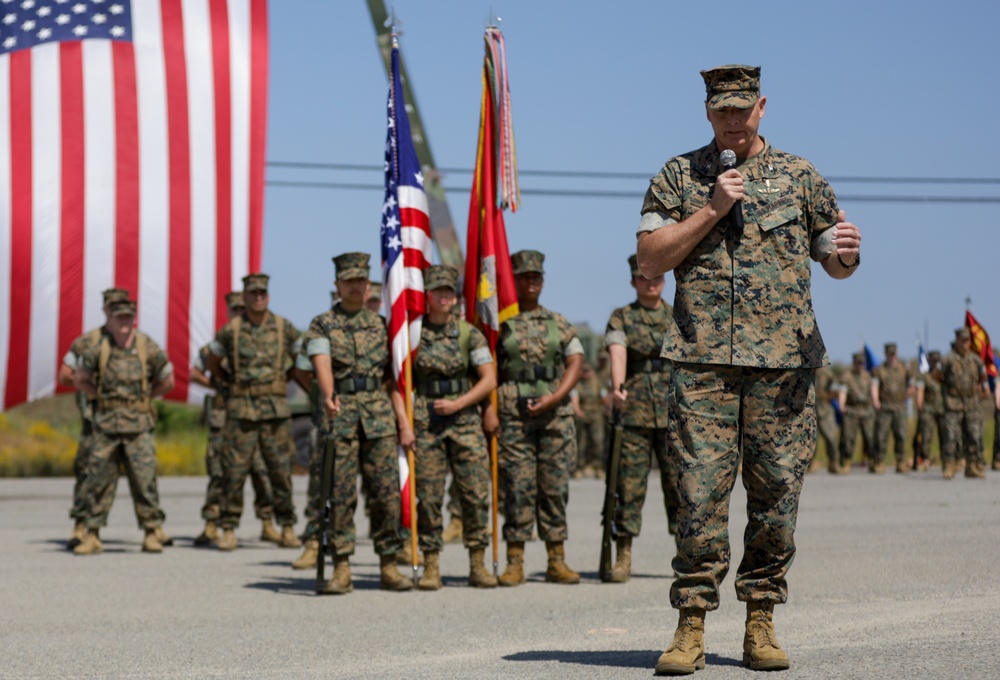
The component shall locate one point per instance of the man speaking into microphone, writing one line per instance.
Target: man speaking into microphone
(738, 221)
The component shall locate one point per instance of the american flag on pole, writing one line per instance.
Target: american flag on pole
(131, 155)
(406, 248)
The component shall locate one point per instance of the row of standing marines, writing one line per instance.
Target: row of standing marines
(345, 353)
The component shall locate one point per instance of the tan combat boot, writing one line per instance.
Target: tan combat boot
(559, 571)
(760, 643)
(76, 538)
(288, 538)
(431, 580)
(453, 532)
(902, 467)
(686, 654)
(268, 532)
(90, 545)
(622, 570)
(208, 535)
(478, 576)
(227, 541)
(975, 470)
(307, 560)
(513, 575)
(340, 583)
(948, 469)
(390, 576)
(151, 543)
(162, 537)
(996, 463)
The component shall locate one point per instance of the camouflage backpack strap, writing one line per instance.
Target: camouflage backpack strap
(102, 365)
(94, 336)
(280, 385)
(464, 331)
(514, 360)
(140, 349)
(552, 346)
(236, 324)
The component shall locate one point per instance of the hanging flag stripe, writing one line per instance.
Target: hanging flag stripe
(126, 154)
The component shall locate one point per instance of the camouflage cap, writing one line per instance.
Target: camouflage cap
(963, 333)
(352, 266)
(734, 86)
(633, 265)
(112, 294)
(122, 307)
(255, 282)
(890, 347)
(440, 276)
(375, 290)
(234, 299)
(934, 355)
(525, 261)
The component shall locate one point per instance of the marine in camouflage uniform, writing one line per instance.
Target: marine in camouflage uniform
(215, 417)
(259, 347)
(121, 374)
(66, 373)
(640, 381)
(859, 414)
(453, 374)
(745, 346)
(589, 423)
(892, 385)
(349, 350)
(930, 406)
(826, 418)
(539, 357)
(963, 381)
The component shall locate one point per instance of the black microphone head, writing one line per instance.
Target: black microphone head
(728, 158)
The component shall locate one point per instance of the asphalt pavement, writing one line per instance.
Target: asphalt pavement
(896, 576)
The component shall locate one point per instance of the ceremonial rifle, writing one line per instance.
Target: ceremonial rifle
(611, 495)
(326, 508)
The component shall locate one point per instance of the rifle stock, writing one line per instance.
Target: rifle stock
(326, 504)
(611, 496)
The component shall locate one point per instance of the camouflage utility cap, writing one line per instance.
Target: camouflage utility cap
(234, 300)
(255, 282)
(440, 276)
(527, 261)
(962, 334)
(890, 347)
(122, 307)
(112, 294)
(375, 291)
(633, 265)
(352, 266)
(735, 86)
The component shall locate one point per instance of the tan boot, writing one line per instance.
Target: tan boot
(996, 464)
(622, 570)
(76, 538)
(760, 643)
(390, 576)
(307, 560)
(151, 543)
(559, 571)
(948, 469)
(208, 535)
(227, 541)
(478, 576)
(975, 470)
(268, 532)
(162, 537)
(431, 580)
(902, 467)
(340, 583)
(513, 575)
(453, 532)
(404, 557)
(90, 544)
(686, 654)
(288, 538)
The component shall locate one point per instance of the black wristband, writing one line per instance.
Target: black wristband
(843, 264)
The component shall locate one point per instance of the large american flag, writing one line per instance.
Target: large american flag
(131, 155)
(406, 245)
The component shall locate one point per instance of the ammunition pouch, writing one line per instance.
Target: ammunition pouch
(278, 388)
(143, 405)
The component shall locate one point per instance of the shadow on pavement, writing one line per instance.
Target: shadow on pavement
(635, 658)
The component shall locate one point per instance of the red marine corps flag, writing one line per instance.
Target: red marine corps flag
(406, 252)
(490, 297)
(981, 346)
(131, 155)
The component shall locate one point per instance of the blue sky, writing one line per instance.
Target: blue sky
(862, 89)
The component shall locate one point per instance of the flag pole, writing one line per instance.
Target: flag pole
(495, 478)
(411, 463)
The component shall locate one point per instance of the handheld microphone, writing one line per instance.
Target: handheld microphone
(728, 160)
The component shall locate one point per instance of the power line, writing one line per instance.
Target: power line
(601, 174)
(632, 195)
